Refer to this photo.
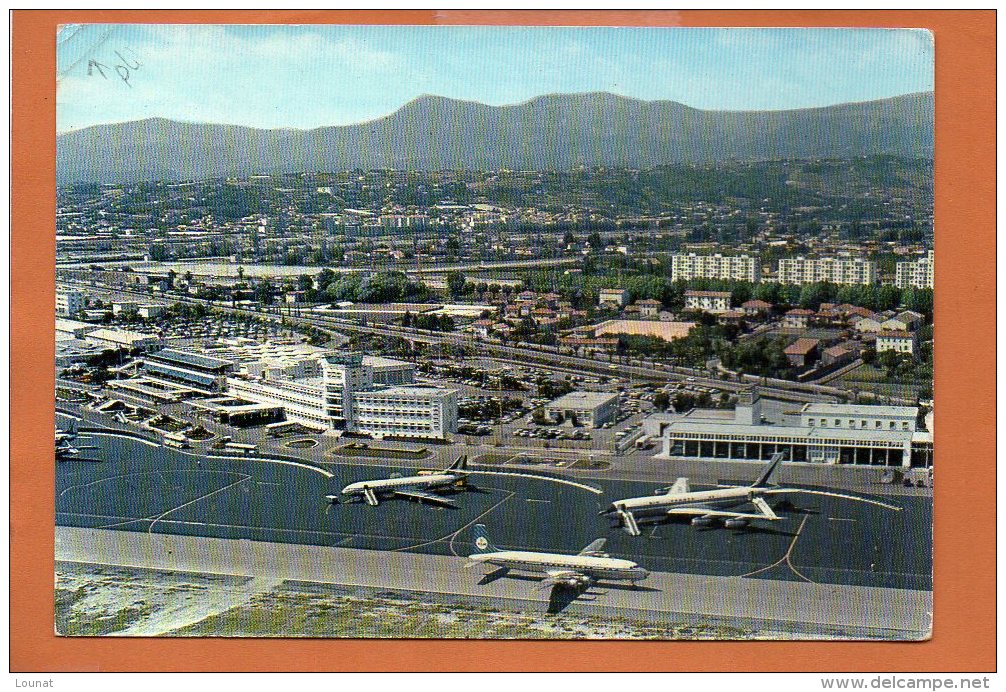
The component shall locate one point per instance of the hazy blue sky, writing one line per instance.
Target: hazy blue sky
(308, 76)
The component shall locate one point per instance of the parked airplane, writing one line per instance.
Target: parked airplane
(66, 447)
(575, 572)
(423, 487)
(708, 507)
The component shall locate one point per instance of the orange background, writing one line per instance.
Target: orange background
(964, 630)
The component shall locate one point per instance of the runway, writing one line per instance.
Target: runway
(795, 607)
(154, 490)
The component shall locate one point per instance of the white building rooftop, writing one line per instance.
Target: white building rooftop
(860, 410)
(583, 400)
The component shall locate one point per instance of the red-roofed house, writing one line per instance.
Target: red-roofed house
(754, 308)
(649, 307)
(707, 301)
(802, 352)
(797, 318)
(901, 342)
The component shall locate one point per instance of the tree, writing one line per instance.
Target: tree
(662, 400)
(456, 283)
(595, 241)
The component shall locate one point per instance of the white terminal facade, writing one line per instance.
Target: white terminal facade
(915, 274)
(353, 393)
(846, 434)
(736, 267)
(835, 270)
(334, 392)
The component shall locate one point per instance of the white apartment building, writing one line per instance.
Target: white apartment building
(736, 267)
(835, 270)
(70, 302)
(915, 274)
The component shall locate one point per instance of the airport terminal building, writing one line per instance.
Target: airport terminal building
(847, 434)
(357, 394)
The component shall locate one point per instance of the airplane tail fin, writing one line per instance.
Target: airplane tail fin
(482, 542)
(763, 479)
(460, 464)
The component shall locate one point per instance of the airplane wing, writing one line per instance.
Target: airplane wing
(594, 548)
(424, 496)
(710, 512)
(567, 578)
(680, 486)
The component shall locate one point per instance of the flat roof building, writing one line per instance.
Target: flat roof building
(915, 274)
(69, 302)
(841, 434)
(835, 270)
(201, 373)
(589, 409)
(736, 267)
(353, 394)
(120, 338)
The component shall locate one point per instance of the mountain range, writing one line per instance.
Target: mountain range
(548, 132)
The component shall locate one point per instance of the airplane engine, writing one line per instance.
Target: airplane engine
(703, 521)
(736, 523)
(578, 582)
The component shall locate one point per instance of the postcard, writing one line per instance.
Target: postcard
(494, 332)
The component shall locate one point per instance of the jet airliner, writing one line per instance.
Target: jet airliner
(735, 506)
(575, 572)
(423, 487)
(66, 447)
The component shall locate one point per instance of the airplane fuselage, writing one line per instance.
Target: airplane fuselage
(595, 567)
(384, 485)
(721, 497)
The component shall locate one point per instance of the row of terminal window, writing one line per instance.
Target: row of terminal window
(892, 425)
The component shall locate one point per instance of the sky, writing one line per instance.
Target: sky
(311, 76)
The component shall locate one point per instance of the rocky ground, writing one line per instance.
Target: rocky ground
(100, 600)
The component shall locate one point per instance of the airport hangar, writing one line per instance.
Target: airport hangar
(833, 434)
